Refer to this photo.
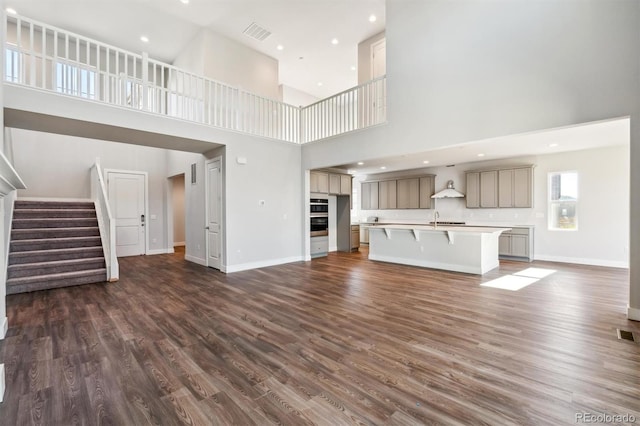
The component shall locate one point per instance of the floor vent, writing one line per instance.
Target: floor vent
(257, 32)
(626, 335)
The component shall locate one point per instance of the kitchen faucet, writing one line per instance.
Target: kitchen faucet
(436, 215)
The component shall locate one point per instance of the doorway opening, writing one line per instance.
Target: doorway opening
(177, 200)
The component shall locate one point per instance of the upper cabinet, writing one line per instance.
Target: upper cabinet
(412, 192)
(330, 183)
(319, 182)
(500, 188)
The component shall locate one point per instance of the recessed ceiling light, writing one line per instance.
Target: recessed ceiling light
(184, 1)
(11, 11)
(335, 41)
(360, 163)
(383, 167)
(372, 18)
(553, 145)
(425, 162)
(280, 47)
(144, 39)
(480, 155)
(353, 67)
(319, 83)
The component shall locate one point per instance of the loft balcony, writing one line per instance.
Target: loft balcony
(43, 57)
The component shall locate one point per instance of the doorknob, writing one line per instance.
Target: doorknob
(206, 227)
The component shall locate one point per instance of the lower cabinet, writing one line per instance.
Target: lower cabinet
(517, 244)
(355, 237)
(319, 246)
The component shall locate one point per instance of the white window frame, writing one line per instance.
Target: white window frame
(553, 205)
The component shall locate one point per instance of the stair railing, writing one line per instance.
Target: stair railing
(106, 222)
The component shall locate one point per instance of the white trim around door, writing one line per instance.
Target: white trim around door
(214, 220)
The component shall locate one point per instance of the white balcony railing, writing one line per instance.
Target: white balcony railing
(48, 58)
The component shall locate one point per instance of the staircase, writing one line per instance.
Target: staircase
(54, 244)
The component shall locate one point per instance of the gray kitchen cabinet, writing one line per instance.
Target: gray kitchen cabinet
(473, 190)
(339, 184)
(523, 187)
(505, 187)
(319, 182)
(355, 237)
(369, 196)
(364, 234)
(517, 244)
(345, 184)
(387, 194)
(408, 193)
(334, 184)
(514, 187)
(427, 189)
(489, 189)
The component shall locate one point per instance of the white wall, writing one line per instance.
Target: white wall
(603, 207)
(295, 97)
(58, 166)
(177, 200)
(270, 234)
(469, 70)
(228, 61)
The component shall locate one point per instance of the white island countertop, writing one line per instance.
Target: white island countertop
(470, 249)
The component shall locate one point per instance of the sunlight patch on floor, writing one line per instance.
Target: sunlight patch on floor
(510, 282)
(535, 272)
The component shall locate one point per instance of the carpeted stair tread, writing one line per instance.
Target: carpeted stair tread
(53, 213)
(54, 243)
(45, 282)
(56, 266)
(32, 256)
(34, 233)
(34, 204)
(67, 222)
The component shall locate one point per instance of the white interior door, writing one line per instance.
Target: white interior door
(214, 213)
(378, 59)
(127, 197)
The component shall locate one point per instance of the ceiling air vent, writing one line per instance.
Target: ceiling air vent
(256, 31)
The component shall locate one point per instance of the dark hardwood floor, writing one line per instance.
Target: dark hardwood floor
(340, 340)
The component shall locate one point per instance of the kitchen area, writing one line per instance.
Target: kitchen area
(409, 226)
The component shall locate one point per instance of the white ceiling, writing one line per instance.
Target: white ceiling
(585, 136)
(304, 27)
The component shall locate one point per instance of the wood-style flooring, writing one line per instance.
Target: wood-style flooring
(339, 340)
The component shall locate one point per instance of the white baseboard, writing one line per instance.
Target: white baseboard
(194, 259)
(1, 382)
(160, 251)
(263, 264)
(583, 261)
(179, 244)
(333, 248)
(4, 327)
(633, 313)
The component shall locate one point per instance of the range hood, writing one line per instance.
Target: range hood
(448, 192)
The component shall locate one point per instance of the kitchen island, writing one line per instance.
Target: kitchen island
(468, 249)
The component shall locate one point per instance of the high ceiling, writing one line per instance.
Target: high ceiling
(304, 28)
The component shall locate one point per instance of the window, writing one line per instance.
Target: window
(73, 80)
(563, 201)
(12, 66)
